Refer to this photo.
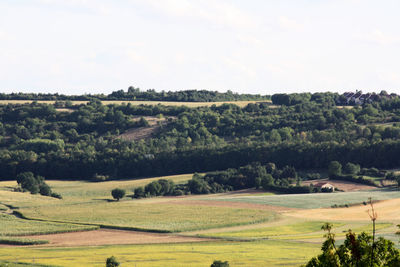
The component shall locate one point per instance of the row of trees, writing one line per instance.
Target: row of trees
(34, 184)
(136, 94)
(255, 175)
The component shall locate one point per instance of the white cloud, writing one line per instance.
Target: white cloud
(242, 68)
(289, 24)
(83, 5)
(215, 12)
(379, 37)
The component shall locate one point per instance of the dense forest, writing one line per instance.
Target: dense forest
(65, 141)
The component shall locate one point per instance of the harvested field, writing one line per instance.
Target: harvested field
(111, 237)
(342, 185)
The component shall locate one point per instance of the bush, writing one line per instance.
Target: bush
(351, 168)
(112, 262)
(178, 192)
(56, 195)
(334, 168)
(139, 192)
(44, 190)
(220, 264)
(153, 189)
(118, 193)
(354, 179)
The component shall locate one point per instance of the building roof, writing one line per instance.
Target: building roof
(321, 184)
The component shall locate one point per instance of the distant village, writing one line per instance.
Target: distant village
(359, 98)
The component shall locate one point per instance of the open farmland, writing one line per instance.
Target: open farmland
(282, 229)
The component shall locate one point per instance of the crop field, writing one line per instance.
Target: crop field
(281, 230)
(136, 103)
(313, 201)
(13, 226)
(301, 231)
(164, 217)
(257, 253)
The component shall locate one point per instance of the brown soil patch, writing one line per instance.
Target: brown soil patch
(342, 185)
(111, 237)
(140, 133)
(229, 204)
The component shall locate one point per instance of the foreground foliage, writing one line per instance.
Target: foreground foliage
(357, 251)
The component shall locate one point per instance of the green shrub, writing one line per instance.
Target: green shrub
(112, 262)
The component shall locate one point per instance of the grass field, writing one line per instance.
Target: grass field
(258, 253)
(314, 201)
(136, 103)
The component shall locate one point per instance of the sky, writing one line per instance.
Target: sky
(247, 46)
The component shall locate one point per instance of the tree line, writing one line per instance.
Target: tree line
(84, 143)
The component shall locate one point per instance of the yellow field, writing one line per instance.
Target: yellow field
(136, 103)
(259, 253)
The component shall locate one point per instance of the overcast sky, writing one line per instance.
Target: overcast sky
(253, 46)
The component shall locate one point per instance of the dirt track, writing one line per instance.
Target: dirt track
(111, 237)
